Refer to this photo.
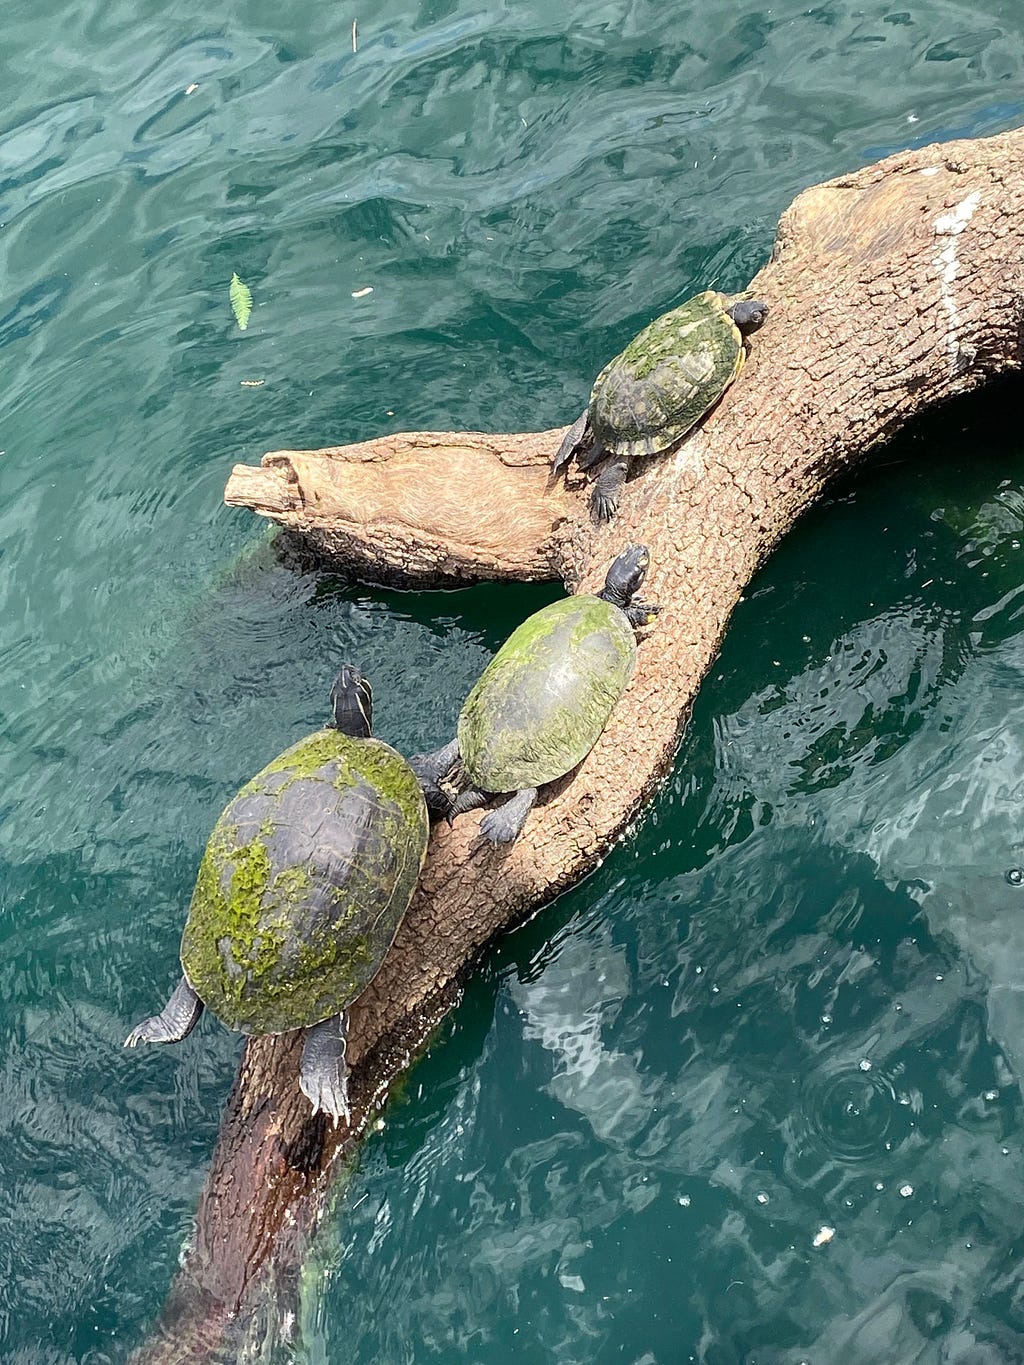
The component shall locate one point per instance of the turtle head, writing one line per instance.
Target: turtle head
(352, 703)
(748, 314)
(626, 575)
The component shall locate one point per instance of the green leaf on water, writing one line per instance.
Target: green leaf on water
(241, 301)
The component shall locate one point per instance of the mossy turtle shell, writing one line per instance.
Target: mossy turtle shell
(304, 882)
(540, 704)
(670, 374)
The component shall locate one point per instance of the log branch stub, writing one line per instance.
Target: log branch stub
(891, 290)
(417, 509)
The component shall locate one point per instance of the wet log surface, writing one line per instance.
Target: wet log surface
(891, 290)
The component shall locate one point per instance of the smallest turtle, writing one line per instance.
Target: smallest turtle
(645, 400)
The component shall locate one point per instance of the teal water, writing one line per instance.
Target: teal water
(792, 1003)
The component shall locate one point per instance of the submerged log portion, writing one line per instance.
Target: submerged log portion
(891, 289)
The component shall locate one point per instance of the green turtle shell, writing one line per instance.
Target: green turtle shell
(304, 882)
(540, 704)
(670, 374)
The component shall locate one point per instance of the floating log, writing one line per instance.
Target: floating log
(891, 290)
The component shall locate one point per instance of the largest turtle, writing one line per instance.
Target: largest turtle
(305, 879)
(645, 400)
(539, 706)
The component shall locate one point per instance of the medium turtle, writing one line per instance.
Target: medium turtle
(645, 400)
(541, 703)
(304, 882)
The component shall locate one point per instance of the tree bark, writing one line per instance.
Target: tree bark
(420, 509)
(891, 290)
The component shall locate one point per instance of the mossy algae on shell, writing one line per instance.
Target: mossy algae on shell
(670, 374)
(541, 703)
(304, 882)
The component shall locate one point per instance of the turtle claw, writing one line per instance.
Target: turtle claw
(505, 824)
(468, 799)
(495, 829)
(176, 1020)
(640, 613)
(140, 1034)
(152, 1030)
(323, 1071)
(605, 507)
(143, 1033)
(328, 1095)
(435, 773)
(607, 487)
(438, 801)
(335, 1107)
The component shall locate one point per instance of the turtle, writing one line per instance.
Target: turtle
(645, 400)
(304, 882)
(539, 706)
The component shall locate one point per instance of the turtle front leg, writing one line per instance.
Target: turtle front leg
(505, 824)
(431, 771)
(640, 613)
(323, 1070)
(607, 487)
(175, 1021)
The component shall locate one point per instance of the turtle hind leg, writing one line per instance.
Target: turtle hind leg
(574, 438)
(505, 824)
(432, 772)
(468, 799)
(323, 1070)
(175, 1021)
(594, 455)
(607, 487)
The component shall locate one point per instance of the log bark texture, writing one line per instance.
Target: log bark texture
(891, 289)
(420, 509)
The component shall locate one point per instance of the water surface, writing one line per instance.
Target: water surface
(793, 1002)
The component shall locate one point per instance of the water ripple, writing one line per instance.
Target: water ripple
(849, 1109)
